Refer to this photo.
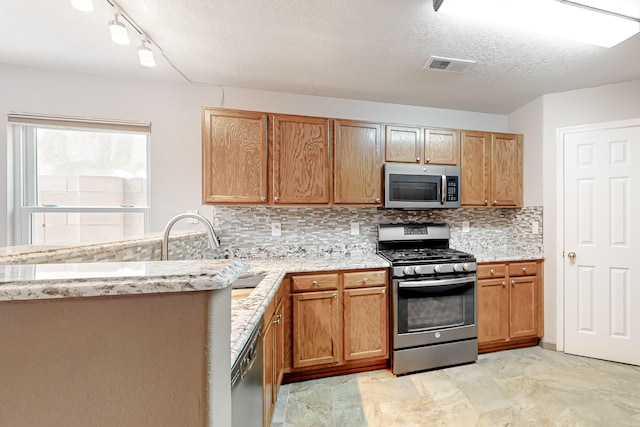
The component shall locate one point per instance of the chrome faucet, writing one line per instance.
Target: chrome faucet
(213, 239)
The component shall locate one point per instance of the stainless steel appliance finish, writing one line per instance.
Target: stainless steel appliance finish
(433, 298)
(409, 186)
(246, 383)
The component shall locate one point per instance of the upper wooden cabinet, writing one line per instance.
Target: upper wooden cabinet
(412, 144)
(234, 157)
(357, 163)
(300, 159)
(491, 169)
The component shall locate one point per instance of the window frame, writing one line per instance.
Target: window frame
(22, 129)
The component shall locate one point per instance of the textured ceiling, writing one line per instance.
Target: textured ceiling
(359, 49)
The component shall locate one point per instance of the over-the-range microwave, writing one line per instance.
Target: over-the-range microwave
(408, 186)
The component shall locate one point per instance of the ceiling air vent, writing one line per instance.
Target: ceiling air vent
(439, 63)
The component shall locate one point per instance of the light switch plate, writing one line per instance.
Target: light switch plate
(355, 228)
(276, 229)
(465, 226)
(535, 227)
(192, 220)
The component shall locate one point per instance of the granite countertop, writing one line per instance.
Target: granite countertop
(45, 281)
(247, 312)
(503, 255)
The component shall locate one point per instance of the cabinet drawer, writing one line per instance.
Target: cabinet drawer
(365, 279)
(529, 268)
(314, 282)
(492, 271)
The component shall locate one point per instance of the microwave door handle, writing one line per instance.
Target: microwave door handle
(434, 283)
(444, 189)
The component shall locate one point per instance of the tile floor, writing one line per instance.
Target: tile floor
(525, 387)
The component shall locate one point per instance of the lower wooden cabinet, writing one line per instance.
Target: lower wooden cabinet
(510, 305)
(343, 328)
(273, 349)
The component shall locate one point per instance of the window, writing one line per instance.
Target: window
(78, 181)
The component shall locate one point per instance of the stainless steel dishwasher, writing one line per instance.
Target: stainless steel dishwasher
(246, 383)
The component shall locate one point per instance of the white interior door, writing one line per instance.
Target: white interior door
(601, 227)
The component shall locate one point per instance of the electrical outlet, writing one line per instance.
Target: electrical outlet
(276, 229)
(355, 228)
(465, 226)
(535, 227)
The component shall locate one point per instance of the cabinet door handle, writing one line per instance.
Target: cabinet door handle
(314, 283)
(486, 202)
(513, 282)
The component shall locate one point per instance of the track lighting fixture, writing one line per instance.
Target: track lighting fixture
(118, 31)
(146, 55)
(83, 5)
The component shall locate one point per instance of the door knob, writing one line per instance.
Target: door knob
(571, 255)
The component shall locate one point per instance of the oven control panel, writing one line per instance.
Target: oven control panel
(435, 269)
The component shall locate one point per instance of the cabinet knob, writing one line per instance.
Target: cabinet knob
(277, 321)
(383, 292)
(418, 159)
(377, 199)
(504, 283)
(262, 199)
(366, 279)
(335, 295)
(275, 199)
(524, 269)
(486, 202)
(314, 283)
(428, 159)
(513, 282)
(492, 271)
(495, 202)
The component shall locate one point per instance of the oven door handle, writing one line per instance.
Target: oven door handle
(444, 190)
(434, 283)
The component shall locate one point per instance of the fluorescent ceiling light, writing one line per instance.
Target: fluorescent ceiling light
(83, 5)
(146, 56)
(118, 31)
(553, 17)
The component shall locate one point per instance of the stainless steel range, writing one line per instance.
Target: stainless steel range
(433, 298)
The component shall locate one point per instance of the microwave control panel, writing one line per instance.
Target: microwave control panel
(452, 189)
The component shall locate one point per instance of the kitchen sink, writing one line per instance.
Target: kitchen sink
(249, 280)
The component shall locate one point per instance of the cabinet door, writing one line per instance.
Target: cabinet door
(506, 168)
(493, 310)
(300, 159)
(475, 168)
(316, 328)
(268, 394)
(524, 307)
(279, 350)
(365, 323)
(357, 168)
(441, 147)
(234, 156)
(403, 144)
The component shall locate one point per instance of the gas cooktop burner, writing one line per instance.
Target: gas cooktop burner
(424, 255)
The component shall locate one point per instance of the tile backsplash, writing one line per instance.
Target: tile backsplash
(324, 231)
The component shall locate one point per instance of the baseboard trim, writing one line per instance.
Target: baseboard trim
(548, 346)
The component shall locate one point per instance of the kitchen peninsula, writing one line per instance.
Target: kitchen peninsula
(122, 343)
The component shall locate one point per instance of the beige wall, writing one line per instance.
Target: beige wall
(107, 361)
(543, 117)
